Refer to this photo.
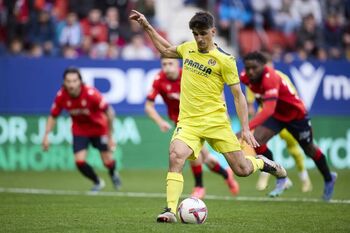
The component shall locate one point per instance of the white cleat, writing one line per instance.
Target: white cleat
(263, 181)
(272, 167)
(98, 187)
(306, 185)
(167, 216)
(282, 184)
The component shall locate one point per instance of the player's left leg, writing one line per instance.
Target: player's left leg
(214, 165)
(302, 131)
(295, 152)
(101, 143)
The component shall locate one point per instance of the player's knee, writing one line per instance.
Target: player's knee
(309, 150)
(176, 157)
(79, 163)
(245, 172)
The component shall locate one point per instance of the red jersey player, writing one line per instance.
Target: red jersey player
(167, 85)
(281, 108)
(92, 122)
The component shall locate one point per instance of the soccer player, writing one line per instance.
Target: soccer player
(292, 145)
(203, 113)
(167, 85)
(92, 124)
(282, 108)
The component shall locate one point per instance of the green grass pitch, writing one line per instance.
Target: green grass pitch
(57, 202)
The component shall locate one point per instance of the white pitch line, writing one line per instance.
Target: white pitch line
(162, 195)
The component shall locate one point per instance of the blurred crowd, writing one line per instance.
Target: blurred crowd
(289, 29)
(97, 29)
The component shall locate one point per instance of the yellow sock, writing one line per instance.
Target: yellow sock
(298, 157)
(175, 182)
(257, 163)
(293, 149)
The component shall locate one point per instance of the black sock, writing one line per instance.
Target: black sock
(322, 166)
(268, 154)
(219, 170)
(198, 180)
(197, 173)
(111, 167)
(87, 171)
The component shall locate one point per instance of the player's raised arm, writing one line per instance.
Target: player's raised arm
(163, 46)
(242, 112)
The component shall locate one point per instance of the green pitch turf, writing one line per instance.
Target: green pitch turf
(57, 202)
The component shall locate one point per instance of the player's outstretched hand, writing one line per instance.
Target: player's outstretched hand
(165, 126)
(249, 138)
(140, 18)
(45, 143)
(112, 145)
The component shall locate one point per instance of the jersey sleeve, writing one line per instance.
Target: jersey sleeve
(57, 105)
(155, 89)
(98, 101)
(181, 49)
(229, 71)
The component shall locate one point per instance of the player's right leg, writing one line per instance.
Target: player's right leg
(80, 145)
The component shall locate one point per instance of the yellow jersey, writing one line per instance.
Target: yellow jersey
(203, 79)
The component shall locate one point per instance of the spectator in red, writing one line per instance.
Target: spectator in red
(94, 27)
(58, 8)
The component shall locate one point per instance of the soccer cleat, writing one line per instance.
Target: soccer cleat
(198, 192)
(167, 216)
(263, 181)
(99, 186)
(231, 182)
(272, 167)
(306, 185)
(329, 187)
(281, 185)
(116, 181)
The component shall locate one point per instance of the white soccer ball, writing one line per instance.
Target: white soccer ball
(192, 210)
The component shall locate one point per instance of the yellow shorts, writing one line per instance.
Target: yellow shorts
(218, 133)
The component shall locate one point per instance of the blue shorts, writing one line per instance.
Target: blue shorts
(300, 129)
(82, 143)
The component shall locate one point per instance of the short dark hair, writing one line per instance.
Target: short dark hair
(73, 70)
(258, 56)
(202, 20)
